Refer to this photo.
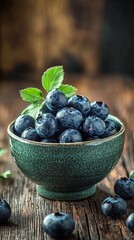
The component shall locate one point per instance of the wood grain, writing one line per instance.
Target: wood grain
(29, 209)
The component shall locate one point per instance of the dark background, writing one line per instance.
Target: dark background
(87, 37)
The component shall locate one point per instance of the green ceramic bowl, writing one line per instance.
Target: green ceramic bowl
(67, 171)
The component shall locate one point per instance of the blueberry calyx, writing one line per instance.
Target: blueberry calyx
(58, 214)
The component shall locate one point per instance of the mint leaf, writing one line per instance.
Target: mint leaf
(31, 94)
(52, 78)
(131, 175)
(68, 90)
(2, 152)
(5, 174)
(33, 109)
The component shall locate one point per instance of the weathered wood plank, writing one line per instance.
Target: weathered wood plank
(29, 209)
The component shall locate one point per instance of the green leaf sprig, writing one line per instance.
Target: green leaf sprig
(52, 79)
(131, 175)
(31, 94)
(7, 173)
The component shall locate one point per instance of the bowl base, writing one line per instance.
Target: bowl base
(65, 196)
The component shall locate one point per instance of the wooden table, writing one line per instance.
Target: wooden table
(29, 209)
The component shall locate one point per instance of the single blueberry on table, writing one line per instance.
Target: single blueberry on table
(56, 100)
(70, 135)
(46, 125)
(110, 128)
(93, 126)
(130, 222)
(30, 134)
(81, 103)
(100, 109)
(58, 225)
(69, 117)
(124, 187)
(114, 207)
(23, 122)
(5, 211)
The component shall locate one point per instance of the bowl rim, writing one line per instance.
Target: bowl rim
(90, 142)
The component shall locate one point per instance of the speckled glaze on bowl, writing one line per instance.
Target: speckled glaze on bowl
(67, 171)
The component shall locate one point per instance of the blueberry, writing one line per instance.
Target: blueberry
(45, 109)
(124, 187)
(100, 109)
(110, 128)
(30, 134)
(81, 103)
(5, 211)
(70, 135)
(55, 100)
(46, 125)
(114, 207)
(69, 117)
(23, 122)
(58, 225)
(49, 140)
(93, 126)
(130, 222)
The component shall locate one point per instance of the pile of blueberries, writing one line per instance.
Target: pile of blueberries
(66, 120)
(60, 225)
